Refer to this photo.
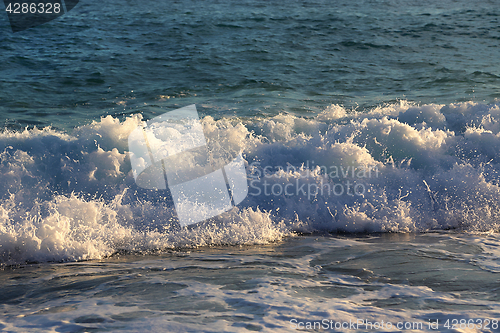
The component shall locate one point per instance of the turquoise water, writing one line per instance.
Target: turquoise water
(248, 58)
(302, 88)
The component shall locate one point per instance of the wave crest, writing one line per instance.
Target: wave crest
(71, 196)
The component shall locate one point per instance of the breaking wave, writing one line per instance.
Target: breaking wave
(394, 168)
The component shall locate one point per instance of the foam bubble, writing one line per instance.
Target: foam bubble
(72, 196)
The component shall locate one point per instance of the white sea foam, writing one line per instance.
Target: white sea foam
(72, 196)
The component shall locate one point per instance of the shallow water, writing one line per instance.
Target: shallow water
(397, 278)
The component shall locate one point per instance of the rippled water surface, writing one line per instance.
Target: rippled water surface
(249, 58)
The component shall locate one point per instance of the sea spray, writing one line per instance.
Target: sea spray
(71, 195)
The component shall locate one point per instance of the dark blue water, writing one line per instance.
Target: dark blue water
(246, 57)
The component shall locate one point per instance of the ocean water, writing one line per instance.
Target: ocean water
(370, 132)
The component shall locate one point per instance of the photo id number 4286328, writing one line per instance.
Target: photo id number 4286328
(33, 8)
